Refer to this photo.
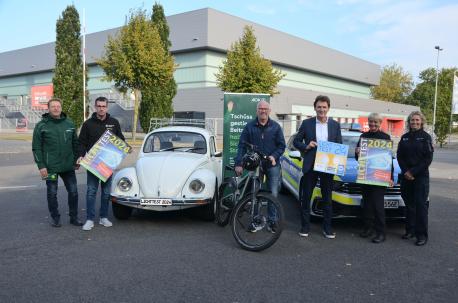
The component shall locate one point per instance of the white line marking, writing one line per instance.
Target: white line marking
(17, 187)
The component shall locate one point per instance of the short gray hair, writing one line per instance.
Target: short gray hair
(375, 116)
(416, 113)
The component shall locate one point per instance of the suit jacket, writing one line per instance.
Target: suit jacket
(307, 133)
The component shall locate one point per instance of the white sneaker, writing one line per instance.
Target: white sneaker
(88, 225)
(105, 222)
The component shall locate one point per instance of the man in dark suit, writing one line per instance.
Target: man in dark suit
(312, 130)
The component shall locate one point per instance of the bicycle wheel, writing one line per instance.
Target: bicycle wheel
(224, 203)
(255, 233)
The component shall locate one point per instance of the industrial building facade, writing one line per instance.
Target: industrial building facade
(200, 40)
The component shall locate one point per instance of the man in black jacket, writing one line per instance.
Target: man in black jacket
(91, 131)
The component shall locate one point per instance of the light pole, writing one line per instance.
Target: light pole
(435, 94)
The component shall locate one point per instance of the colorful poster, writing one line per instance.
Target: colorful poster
(40, 96)
(375, 162)
(331, 158)
(239, 109)
(105, 156)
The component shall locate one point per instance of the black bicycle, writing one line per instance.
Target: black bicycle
(256, 216)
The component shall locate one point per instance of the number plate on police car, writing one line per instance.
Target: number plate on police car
(391, 204)
(147, 202)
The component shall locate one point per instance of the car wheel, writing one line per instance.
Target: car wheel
(121, 212)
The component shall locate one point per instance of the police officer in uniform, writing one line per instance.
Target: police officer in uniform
(415, 154)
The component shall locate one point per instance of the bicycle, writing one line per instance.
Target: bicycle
(245, 205)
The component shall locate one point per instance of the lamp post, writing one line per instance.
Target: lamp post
(435, 93)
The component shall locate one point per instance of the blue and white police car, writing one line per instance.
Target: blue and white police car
(347, 194)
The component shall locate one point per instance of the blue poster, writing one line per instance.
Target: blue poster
(331, 158)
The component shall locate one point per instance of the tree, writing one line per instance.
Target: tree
(157, 100)
(423, 95)
(135, 59)
(395, 85)
(246, 70)
(68, 72)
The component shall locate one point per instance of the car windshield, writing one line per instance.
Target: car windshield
(175, 141)
(351, 141)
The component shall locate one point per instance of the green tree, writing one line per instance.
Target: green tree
(157, 101)
(135, 59)
(395, 85)
(246, 70)
(68, 72)
(423, 96)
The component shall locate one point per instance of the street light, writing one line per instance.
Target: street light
(435, 94)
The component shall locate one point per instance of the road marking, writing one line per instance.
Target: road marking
(17, 187)
(1, 153)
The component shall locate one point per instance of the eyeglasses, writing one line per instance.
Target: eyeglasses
(266, 109)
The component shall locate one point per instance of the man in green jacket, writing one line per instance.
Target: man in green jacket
(55, 150)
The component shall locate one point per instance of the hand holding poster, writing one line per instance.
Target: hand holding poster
(105, 156)
(375, 162)
(331, 158)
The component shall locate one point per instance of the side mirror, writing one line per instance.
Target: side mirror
(295, 154)
(218, 154)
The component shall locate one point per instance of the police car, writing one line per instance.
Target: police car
(347, 194)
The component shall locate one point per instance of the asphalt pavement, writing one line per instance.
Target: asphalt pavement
(176, 257)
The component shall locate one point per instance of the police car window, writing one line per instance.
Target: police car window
(290, 143)
(351, 141)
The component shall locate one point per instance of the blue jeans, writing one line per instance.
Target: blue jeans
(69, 179)
(91, 194)
(273, 184)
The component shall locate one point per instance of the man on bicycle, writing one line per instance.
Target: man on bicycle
(267, 136)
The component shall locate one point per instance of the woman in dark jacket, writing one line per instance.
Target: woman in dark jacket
(373, 195)
(415, 154)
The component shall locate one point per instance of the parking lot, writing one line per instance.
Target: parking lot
(176, 257)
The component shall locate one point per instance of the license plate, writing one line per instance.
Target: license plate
(146, 202)
(391, 204)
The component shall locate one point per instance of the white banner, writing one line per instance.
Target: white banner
(455, 95)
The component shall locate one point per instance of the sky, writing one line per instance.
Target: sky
(380, 31)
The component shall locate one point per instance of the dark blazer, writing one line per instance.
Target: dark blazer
(307, 133)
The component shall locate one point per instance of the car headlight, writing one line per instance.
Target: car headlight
(124, 184)
(196, 186)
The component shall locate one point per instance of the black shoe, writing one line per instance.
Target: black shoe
(421, 242)
(272, 227)
(378, 238)
(366, 233)
(76, 222)
(55, 222)
(408, 235)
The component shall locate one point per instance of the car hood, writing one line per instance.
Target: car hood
(163, 174)
(351, 171)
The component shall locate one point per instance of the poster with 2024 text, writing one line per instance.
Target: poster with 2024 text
(105, 156)
(375, 162)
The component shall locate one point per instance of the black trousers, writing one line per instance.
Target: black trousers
(374, 208)
(309, 181)
(415, 195)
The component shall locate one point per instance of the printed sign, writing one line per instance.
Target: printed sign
(375, 162)
(239, 109)
(105, 156)
(40, 96)
(331, 158)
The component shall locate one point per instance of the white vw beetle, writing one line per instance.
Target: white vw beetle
(177, 168)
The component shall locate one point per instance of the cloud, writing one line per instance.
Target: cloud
(403, 32)
(261, 10)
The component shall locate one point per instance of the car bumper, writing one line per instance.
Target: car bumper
(349, 206)
(177, 204)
